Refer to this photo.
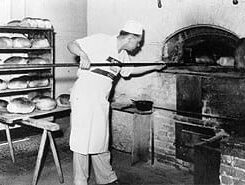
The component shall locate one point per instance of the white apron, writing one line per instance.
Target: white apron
(90, 113)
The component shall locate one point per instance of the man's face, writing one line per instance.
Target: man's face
(133, 42)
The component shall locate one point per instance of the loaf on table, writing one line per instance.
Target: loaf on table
(63, 100)
(21, 42)
(44, 102)
(20, 105)
(15, 60)
(19, 82)
(6, 42)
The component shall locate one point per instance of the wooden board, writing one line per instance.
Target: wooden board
(10, 118)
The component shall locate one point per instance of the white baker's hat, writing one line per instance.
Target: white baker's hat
(134, 27)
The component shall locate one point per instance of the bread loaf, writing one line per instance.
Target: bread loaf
(38, 60)
(44, 103)
(38, 81)
(21, 42)
(21, 105)
(19, 82)
(14, 23)
(15, 60)
(40, 43)
(5, 42)
(3, 84)
(28, 22)
(3, 105)
(63, 100)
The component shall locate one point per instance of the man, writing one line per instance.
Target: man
(89, 98)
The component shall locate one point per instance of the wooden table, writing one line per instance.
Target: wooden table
(48, 127)
(142, 132)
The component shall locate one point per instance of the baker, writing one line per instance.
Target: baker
(89, 98)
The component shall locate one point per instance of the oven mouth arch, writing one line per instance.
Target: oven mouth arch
(186, 43)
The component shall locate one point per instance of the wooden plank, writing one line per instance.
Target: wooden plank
(41, 123)
(141, 138)
(11, 118)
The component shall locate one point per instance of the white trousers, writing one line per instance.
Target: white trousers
(101, 166)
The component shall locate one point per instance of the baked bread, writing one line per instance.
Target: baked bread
(47, 23)
(40, 43)
(14, 23)
(21, 42)
(28, 22)
(20, 105)
(63, 100)
(5, 42)
(38, 60)
(3, 105)
(38, 81)
(19, 82)
(3, 84)
(44, 102)
(15, 60)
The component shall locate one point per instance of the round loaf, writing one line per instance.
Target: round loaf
(19, 82)
(40, 43)
(44, 102)
(3, 84)
(3, 105)
(63, 100)
(21, 42)
(37, 81)
(21, 105)
(6, 42)
(14, 23)
(37, 60)
(15, 60)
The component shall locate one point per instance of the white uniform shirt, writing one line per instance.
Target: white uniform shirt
(101, 46)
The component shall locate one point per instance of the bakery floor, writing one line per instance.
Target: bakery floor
(21, 172)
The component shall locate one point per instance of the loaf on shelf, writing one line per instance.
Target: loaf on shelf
(44, 102)
(33, 23)
(6, 42)
(16, 60)
(63, 100)
(3, 105)
(38, 60)
(19, 82)
(20, 105)
(21, 42)
(14, 23)
(3, 84)
(40, 43)
(38, 81)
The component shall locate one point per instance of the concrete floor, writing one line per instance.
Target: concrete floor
(21, 172)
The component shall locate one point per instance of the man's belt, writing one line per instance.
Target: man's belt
(104, 73)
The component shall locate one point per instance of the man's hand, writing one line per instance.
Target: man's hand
(160, 67)
(84, 62)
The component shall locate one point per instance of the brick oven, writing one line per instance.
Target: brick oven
(206, 90)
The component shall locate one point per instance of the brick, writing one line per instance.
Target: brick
(226, 180)
(240, 163)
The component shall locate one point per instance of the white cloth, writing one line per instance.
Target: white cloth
(102, 170)
(89, 97)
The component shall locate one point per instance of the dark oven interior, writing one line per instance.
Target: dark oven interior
(199, 44)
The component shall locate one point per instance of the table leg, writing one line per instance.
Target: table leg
(39, 157)
(56, 159)
(10, 143)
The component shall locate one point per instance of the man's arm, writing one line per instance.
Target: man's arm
(145, 69)
(75, 49)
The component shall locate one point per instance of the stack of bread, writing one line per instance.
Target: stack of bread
(30, 22)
